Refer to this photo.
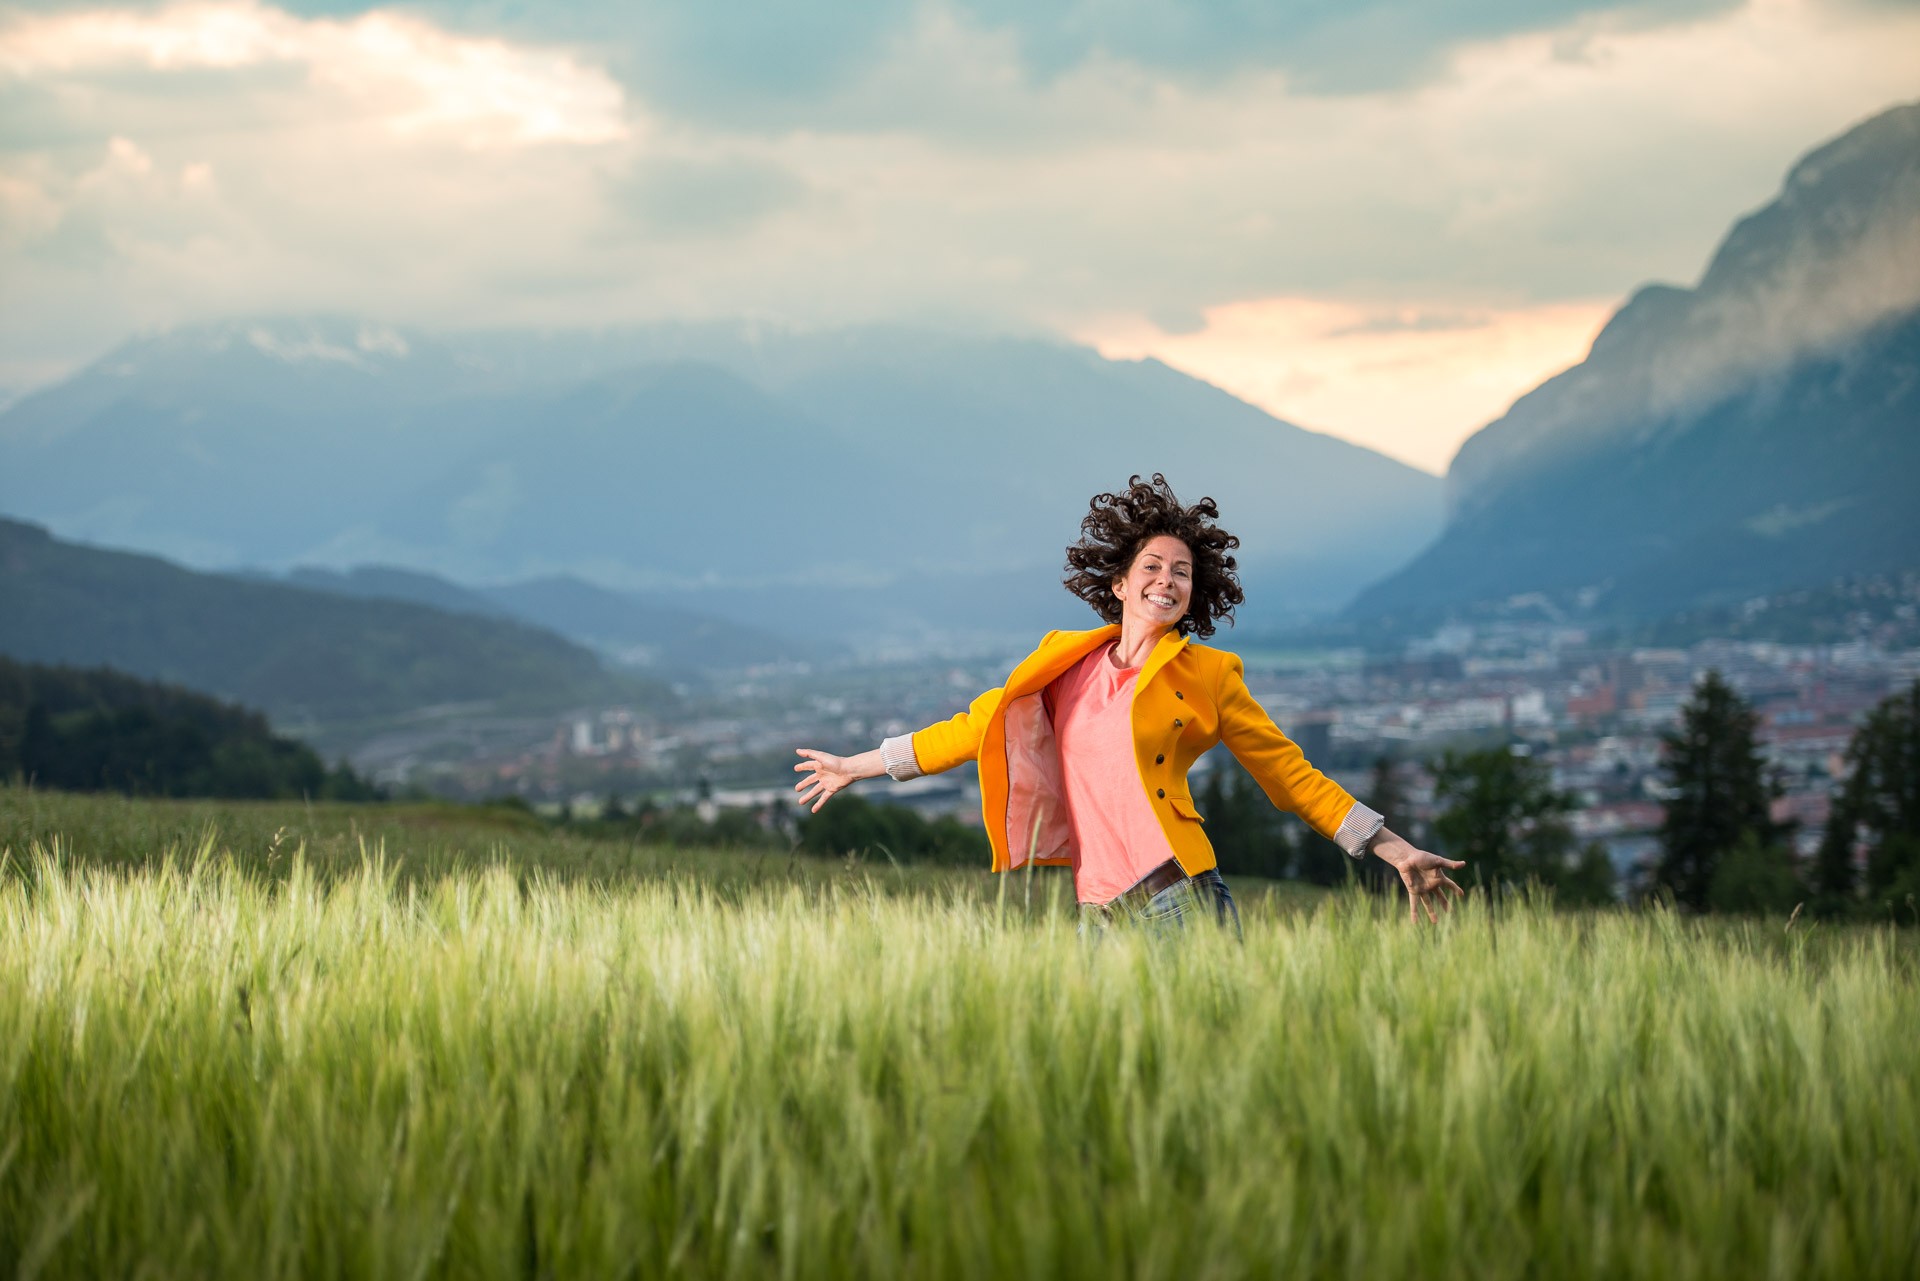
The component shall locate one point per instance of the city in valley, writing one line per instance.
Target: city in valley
(1593, 709)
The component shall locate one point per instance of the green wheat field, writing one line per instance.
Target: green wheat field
(279, 1041)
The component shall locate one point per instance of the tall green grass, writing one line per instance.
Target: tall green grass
(212, 1068)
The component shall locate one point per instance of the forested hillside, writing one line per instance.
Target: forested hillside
(100, 730)
(301, 656)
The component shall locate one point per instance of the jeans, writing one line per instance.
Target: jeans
(1168, 912)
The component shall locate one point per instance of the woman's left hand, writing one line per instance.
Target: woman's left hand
(1424, 875)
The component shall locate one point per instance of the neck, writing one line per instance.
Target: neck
(1136, 642)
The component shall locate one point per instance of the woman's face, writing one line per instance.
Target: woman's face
(1158, 585)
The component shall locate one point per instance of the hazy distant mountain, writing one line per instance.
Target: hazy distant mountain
(1757, 432)
(824, 485)
(304, 656)
(629, 628)
(382, 582)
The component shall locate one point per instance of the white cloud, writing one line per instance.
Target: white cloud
(414, 77)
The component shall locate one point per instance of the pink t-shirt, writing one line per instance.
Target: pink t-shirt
(1116, 837)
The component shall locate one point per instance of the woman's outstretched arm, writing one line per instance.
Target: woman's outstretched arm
(940, 747)
(827, 773)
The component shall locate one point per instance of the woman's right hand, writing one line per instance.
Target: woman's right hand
(825, 775)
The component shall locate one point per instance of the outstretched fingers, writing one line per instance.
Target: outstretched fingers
(1422, 898)
(819, 783)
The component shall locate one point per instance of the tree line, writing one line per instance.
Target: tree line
(851, 825)
(1720, 849)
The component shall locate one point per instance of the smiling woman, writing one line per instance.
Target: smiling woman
(1084, 752)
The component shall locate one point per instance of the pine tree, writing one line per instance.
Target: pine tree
(1388, 798)
(1247, 833)
(1879, 805)
(1503, 816)
(1718, 791)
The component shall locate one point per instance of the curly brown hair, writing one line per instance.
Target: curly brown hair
(1118, 525)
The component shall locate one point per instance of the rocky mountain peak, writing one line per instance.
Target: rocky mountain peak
(1749, 434)
(1835, 254)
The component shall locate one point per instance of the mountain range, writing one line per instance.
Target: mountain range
(1756, 432)
(857, 486)
(725, 494)
(626, 628)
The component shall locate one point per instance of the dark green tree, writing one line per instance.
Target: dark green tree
(1590, 881)
(101, 730)
(38, 744)
(1387, 796)
(1879, 805)
(1755, 879)
(854, 825)
(1318, 861)
(1502, 814)
(1249, 836)
(1718, 791)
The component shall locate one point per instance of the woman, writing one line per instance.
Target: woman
(1084, 752)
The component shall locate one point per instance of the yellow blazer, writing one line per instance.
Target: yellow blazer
(1186, 699)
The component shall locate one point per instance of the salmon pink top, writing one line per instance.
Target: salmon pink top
(1117, 837)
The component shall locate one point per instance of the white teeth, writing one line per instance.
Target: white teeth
(1164, 602)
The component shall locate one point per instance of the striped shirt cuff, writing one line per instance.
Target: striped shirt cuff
(897, 755)
(1357, 833)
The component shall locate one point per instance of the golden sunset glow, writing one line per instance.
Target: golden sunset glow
(1411, 382)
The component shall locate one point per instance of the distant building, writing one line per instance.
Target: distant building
(1312, 733)
(1426, 667)
(1602, 701)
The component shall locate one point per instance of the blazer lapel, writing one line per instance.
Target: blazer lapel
(1170, 644)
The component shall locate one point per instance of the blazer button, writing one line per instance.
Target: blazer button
(1162, 793)
(1177, 694)
(1160, 760)
(1178, 723)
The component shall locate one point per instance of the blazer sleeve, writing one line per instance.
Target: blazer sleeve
(1273, 759)
(948, 743)
(955, 741)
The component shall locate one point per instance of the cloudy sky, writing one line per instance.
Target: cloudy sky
(1378, 218)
